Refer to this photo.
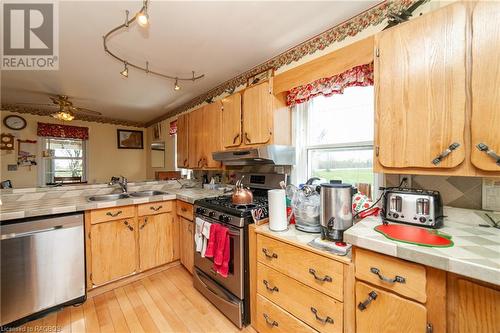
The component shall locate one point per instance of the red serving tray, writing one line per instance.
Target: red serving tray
(414, 235)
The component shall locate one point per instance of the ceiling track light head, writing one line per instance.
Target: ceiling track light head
(124, 72)
(176, 85)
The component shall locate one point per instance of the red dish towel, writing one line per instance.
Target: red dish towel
(209, 253)
(220, 242)
(223, 269)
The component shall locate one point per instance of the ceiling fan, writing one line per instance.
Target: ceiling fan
(67, 111)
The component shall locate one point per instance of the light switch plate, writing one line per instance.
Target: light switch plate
(491, 194)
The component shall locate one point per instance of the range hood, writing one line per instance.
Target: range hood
(268, 154)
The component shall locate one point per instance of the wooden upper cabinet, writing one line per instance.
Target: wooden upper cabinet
(113, 250)
(383, 311)
(420, 83)
(182, 141)
(485, 123)
(231, 118)
(155, 240)
(212, 133)
(195, 138)
(257, 114)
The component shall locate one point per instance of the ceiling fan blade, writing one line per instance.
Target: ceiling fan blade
(39, 104)
(87, 111)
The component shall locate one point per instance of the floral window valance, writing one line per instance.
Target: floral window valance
(63, 131)
(359, 76)
(173, 127)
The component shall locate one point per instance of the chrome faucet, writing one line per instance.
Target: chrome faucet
(122, 181)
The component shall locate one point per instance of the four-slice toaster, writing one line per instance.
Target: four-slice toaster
(413, 206)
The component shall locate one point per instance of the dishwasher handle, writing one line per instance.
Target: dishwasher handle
(29, 233)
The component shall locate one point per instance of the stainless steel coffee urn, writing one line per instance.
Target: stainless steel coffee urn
(335, 210)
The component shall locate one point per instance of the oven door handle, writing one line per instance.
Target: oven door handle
(231, 231)
(223, 296)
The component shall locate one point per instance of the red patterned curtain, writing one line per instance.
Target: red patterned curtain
(359, 76)
(173, 127)
(63, 131)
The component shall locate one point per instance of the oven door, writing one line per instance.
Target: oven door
(234, 280)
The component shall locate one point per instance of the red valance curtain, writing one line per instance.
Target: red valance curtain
(173, 127)
(62, 131)
(359, 76)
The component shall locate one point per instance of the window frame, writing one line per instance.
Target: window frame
(44, 142)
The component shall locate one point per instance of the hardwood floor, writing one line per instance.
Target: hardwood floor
(163, 302)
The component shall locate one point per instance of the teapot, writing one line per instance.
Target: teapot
(241, 195)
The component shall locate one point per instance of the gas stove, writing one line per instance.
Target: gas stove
(223, 210)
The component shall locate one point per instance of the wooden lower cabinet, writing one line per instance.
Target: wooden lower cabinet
(187, 243)
(156, 239)
(386, 312)
(113, 250)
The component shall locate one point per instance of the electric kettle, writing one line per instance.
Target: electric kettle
(335, 210)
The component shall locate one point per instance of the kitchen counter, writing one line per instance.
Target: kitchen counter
(300, 239)
(21, 203)
(475, 253)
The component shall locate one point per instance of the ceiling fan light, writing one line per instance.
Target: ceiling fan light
(63, 115)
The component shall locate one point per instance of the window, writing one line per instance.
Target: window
(334, 138)
(66, 160)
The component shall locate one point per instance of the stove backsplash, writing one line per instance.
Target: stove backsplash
(461, 192)
(228, 175)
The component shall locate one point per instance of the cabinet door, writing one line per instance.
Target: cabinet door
(257, 114)
(387, 312)
(472, 307)
(231, 120)
(155, 240)
(485, 124)
(420, 90)
(211, 133)
(195, 138)
(182, 141)
(187, 243)
(113, 250)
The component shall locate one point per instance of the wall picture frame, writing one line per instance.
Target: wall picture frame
(129, 139)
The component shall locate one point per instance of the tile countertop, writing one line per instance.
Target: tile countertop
(300, 239)
(475, 253)
(21, 204)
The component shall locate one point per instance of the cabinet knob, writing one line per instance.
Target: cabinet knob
(484, 148)
(445, 153)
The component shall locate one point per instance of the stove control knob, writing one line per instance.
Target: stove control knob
(199, 210)
(211, 214)
(226, 219)
(422, 219)
(221, 218)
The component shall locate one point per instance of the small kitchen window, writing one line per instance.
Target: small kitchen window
(64, 160)
(334, 138)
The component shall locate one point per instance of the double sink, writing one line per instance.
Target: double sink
(117, 196)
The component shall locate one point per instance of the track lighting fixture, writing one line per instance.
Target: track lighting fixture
(176, 85)
(124, 72)
(142, 18)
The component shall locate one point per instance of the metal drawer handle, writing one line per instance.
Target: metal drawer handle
(268, 254)
(236, 138)
(156, 208)
(397, 278)
(144, 224)
(184, 209)
(371, 297)
(128, 226)
(273, 289)
(445, 153)
(247, 138)
(326, 320)
(323, 279)
(269, 321)
(115, 214)
(483, 147)
(185, 162)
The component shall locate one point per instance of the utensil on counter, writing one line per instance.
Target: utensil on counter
(241, 195)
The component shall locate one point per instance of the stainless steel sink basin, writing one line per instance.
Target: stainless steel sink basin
(109, 197)
(147, 193)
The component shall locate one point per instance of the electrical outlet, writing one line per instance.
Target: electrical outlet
(406, 182)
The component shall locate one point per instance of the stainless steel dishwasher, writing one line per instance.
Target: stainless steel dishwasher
(42, 265)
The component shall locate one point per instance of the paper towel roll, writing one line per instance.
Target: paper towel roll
(277, 210)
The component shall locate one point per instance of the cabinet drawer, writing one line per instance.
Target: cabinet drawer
(320, 311)
(271, 318)
(318, 272)
(405, 278)
(109, 214)
(185, 210)
(154, 208)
